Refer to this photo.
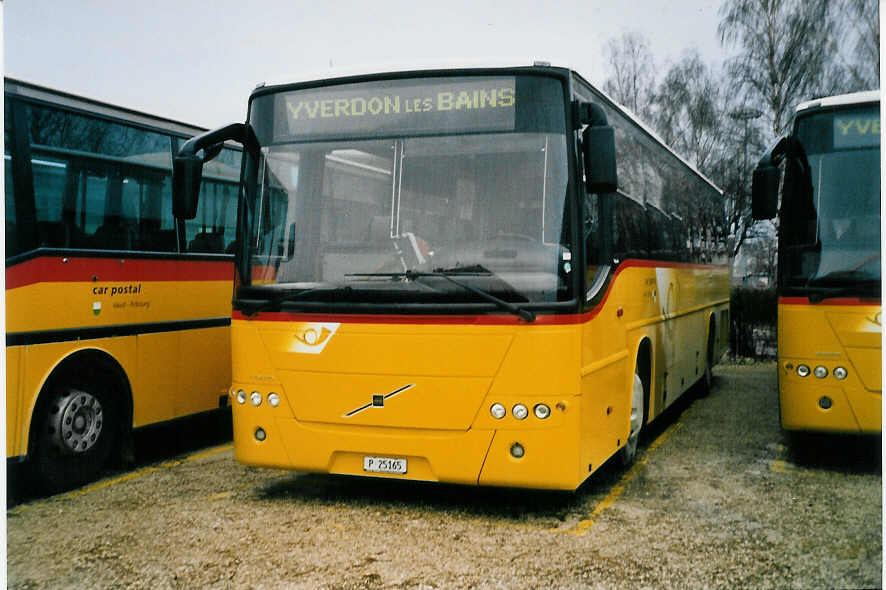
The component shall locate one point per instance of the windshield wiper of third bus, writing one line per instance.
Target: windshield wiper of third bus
(817, 294)
(446, 273)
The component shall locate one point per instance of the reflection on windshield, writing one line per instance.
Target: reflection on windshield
(327, 212)
(837, 243)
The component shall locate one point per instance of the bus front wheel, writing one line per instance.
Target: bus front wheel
(77, 429)
(628, 452)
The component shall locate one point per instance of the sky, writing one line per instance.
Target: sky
(197, 61)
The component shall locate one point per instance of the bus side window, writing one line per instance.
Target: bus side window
(89, 178)
(630, 228)
(215, 224)
(591, 230)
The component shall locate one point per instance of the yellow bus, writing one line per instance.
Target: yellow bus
(490, 276)
(117, 316)
(822, 183)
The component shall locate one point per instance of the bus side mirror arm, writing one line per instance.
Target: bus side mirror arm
(187, 166)
(598, 149)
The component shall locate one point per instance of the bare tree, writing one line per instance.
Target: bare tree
(861, 21)
(742, 142)
(633, 73)
(785, 53)
(689, 108)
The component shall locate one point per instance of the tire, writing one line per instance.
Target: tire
(77, 427)
(628, 452)
(706, 382)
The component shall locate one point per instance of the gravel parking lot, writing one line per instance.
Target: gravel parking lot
(717, 499)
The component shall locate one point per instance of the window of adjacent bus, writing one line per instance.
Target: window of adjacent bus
(99, 184)
(213, 229)
(442, 192)
(12, 245)
(842, 242)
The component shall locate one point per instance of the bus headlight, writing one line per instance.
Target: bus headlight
(542, 411)
(520, 412)
(273, 400)
(241, 397)
(840, 373)
(498, 411)
(820, 372)
(255, 399)
(802, 370)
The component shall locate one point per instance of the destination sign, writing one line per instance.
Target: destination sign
(861, 129)
(398, 106)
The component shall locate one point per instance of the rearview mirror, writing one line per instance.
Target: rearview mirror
(598, 146)
(187, 172)
(187, 166)
(764, 191)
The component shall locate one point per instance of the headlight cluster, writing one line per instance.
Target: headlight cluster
(520, 411)
(256, 398)
(820, 371)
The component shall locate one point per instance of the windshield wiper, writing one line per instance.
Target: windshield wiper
(275, 302)
(445, 273)
(819, 294)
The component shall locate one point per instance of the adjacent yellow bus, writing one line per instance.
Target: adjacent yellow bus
(117, 316)
(489, 276)
(822, 183)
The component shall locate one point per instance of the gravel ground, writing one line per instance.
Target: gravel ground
(717, 499)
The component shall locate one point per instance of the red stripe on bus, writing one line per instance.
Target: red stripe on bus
(833, 301)
(468, 319)
(58, 269)
(461, 319)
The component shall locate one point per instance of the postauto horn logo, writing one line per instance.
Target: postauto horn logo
(312, 338)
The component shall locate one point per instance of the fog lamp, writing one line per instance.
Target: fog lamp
(273, 400)
(260, 434)
(542, 411)
(241, 397)
(255, 399)
(802, 370)
(820, 372)
(825, 403)
(520, 412)
(840, 373)
(498, 411)
(517, 451)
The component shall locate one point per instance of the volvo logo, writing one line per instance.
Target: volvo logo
(378, 400)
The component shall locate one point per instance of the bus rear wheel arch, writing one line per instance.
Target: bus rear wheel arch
(80, 420)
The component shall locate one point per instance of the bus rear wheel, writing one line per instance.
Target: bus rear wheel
(628, 452)
(77, 428)
(707, 379)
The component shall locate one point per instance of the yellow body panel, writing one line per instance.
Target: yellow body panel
(53, 306)
(171, 372)
(422, 390)
(830, 336)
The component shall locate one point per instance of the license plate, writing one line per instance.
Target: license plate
(384, 465)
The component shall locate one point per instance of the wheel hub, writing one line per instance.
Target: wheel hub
(76, 421)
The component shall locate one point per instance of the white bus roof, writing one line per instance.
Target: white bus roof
(334, 73)
(841, 100)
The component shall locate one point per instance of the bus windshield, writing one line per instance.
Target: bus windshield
(834, 239)
(369, 192)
